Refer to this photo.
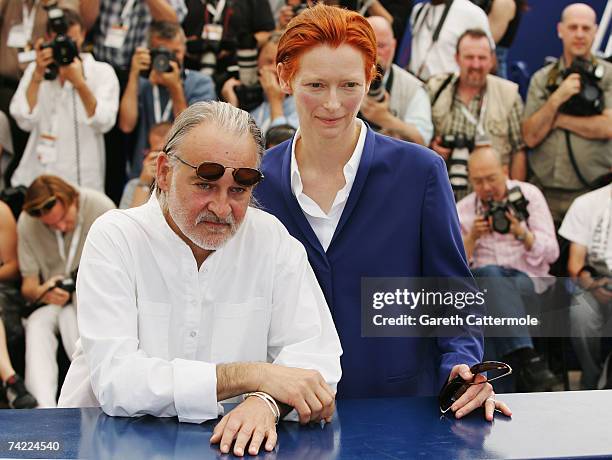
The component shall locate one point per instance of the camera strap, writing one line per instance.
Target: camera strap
(479, 123)
(572, 158)
(159, 116)
(28, 19)
(74, 244)
(436, 32)
(127, 11)
(215, 11)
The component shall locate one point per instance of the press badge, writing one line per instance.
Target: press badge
(17, 37)
(46, 149)
(25, 57)
(115, 37)
(212, 32)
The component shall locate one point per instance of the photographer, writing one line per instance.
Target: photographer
(510, 242)
(568, 115)
(51, 233)
(67, 101)
(588, 227)
(276, 108)
(365, 7)
(476, 108)
(396, 103)
(167, 89)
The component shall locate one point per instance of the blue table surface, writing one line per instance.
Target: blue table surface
(544, 425)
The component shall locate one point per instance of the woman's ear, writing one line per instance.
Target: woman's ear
(285, 85)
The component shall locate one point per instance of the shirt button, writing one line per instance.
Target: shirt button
(193, 333)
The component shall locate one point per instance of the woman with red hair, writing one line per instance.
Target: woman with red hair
(366, 205)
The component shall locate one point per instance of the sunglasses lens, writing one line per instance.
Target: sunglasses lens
(210, 171)
(451, 392)
(247, 176)
(44, 208)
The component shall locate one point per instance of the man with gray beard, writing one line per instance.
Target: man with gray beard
(196, 297)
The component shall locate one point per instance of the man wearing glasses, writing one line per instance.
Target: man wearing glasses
(196, 297)
(51, 233)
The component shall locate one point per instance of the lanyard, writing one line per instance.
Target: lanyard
(436, 32)
(215, 11)
(28, 19)
(74, 244)
(127, 11)
(470, 117)
(159, 117)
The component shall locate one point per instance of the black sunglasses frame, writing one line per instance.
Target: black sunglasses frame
(43, 208)
(455, 388)
(235, 173)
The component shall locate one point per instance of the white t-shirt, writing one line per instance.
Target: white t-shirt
(589, 222)
(153, 326)
(463, 15)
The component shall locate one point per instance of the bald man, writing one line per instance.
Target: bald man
(570, 150)
(403, 110)
(510, 258)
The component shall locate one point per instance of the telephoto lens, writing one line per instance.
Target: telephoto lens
(246, 55)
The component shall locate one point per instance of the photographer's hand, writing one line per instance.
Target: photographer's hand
(174, 84)
(519, 231)
(437, 147)
(376, 112)
(568, 88)
(55, 296)
(44, 57)
(228, 93)
(597, 288)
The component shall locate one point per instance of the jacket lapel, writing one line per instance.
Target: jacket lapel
(362, 174)
(294, 207)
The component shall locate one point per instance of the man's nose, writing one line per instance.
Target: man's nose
(220, 205)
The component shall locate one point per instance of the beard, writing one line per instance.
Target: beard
(197, 231)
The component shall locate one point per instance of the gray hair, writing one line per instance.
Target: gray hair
(225, 116)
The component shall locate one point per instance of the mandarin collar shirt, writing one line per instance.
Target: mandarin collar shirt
(153, 326)
(324, 224)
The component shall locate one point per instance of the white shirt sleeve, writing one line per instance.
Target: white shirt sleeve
(418, 113)
(105, 87)
(576, 224)
(19, 107)
(124, 379)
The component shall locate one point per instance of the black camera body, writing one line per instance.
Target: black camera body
(457, 141)
(516, 203)
(66, 284)
(161, 58)
(64, 48)
(377, 89)
(297, 9)
(590, 100)
(249, 97)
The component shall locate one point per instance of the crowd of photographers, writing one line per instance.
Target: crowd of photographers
(89, 89)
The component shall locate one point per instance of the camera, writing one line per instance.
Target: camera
(590, 100)
(461, 147)
(249, 93)
(67, 284)
(457, 141)
(297, 9)
(485, 5)
(202, 53)
(516, 203)
(160, 59)
(377, 89)
(64, 48)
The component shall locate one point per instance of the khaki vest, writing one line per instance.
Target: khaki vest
(501, 95)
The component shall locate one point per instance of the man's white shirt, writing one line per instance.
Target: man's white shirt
(55, 113)
(153, 326)
(440, 57)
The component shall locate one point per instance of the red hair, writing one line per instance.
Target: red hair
(326, 25)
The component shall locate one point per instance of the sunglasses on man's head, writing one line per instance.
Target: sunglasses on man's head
(209, 171)
(455, 388)
(43, 208)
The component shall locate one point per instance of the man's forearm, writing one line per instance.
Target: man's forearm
(276, 110)
(538, 125)
(87, 97)
(9, 271)
(234, 379)
(468, 245)
(32, 91)
(161, 10)
(406, 131)
(128, 109)
(179, 102)
(518, 166)
(597, 127)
